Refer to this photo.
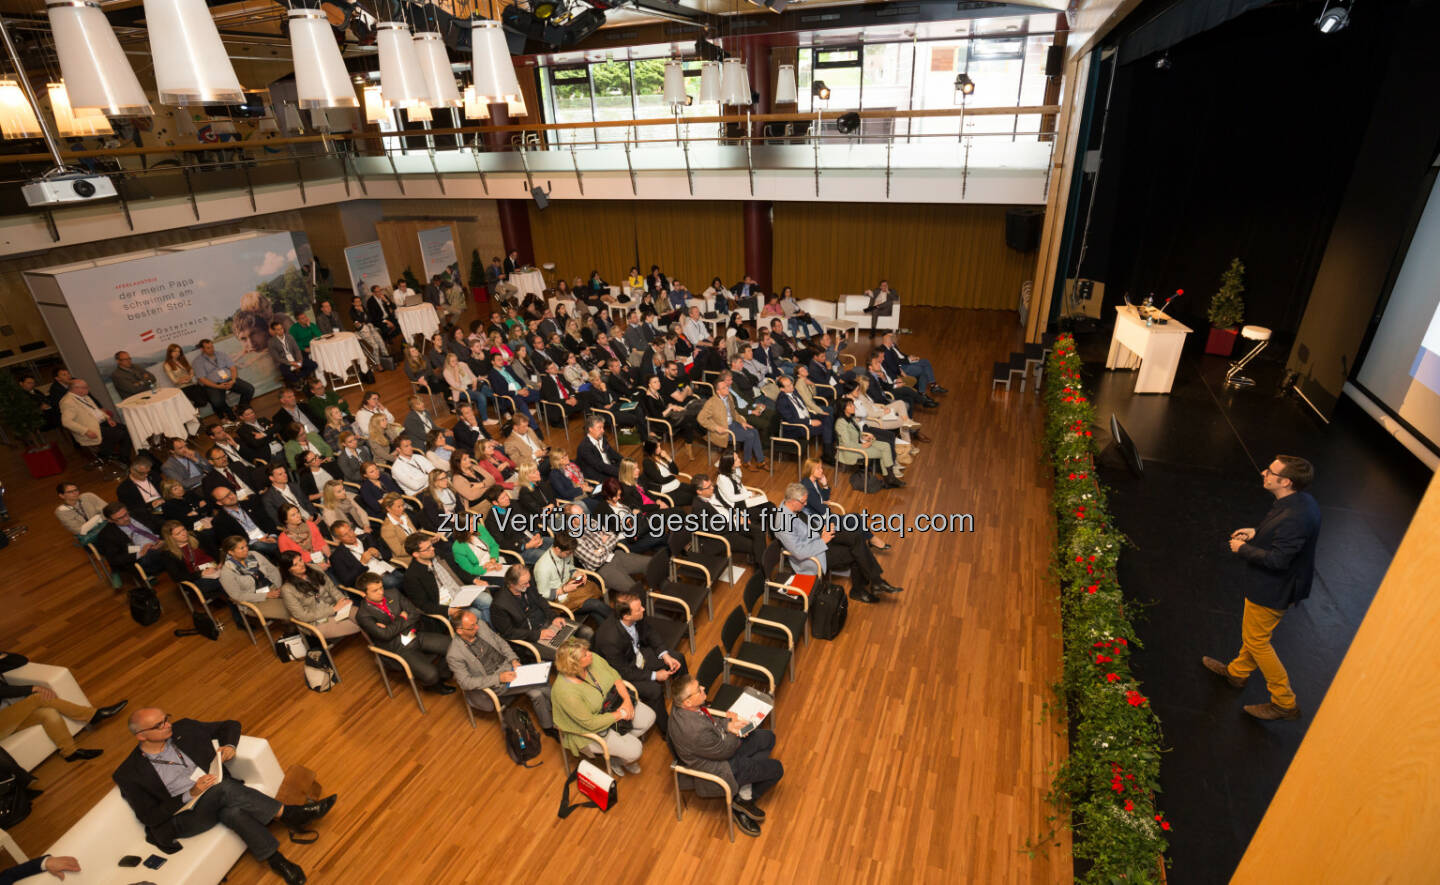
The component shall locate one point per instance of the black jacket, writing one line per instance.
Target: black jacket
(422, 588)
(520, 617)
(142, 788)
(613, 644)
(384, 631)
(345, 568)
(225, 525)
(252, 477)
(591, 463)
(1280, 559)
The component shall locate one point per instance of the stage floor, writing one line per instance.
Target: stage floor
(916, 746)
(1203, 448)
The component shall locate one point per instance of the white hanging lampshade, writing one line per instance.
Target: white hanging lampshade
(495, 79)
(419, 114)
(436, 71)
(96, 72)
(321, 80)
(375, 107)
(674, 83)
(17, 117)
(191, 64)
(400, 79)
(734, 84)
(785, 90)
(709, 81)
(71, 123)
(515, 107)
(475, 109)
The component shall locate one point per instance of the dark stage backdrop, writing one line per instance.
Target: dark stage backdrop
(1242, 148)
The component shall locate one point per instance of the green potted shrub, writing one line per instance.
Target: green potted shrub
(22, 418)
(477, 277)
(1227, 310)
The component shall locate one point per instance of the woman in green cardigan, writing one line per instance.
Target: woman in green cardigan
(577, 696)
(475, 551)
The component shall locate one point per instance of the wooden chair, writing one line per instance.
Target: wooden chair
(743, 654)
(247, 610)
(381, 655)
(677, 771)
(800, 447)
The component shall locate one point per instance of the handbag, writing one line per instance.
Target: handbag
(290, 647)
(594, 784)
(613, 702)
(204, 625)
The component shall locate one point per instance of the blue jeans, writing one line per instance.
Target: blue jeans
(480, 398)
(921, 371)
(533, 554)
(752, 764)
(747, 440)
(796, 324)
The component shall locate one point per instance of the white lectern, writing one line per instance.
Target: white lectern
(1155, 349)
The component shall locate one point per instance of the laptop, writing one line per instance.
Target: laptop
(564, 633)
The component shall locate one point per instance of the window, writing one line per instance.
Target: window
(570, 87)
(650, 101)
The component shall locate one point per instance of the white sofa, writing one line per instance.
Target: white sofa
(853, 309)
(30, 746)
(110, 830)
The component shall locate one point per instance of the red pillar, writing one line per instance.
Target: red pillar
(757, 65)
(514, 214)
(759, 241)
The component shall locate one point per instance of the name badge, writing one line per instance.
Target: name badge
(255, 534)
(224, 374)
(317, 556)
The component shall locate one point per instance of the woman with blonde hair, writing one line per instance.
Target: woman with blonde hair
(177, 369)
(438, 501)
(188, 561)
(382, 436)
(577, 696)
(463, 383)
(887, 416)
(336, 503)
(335, 424)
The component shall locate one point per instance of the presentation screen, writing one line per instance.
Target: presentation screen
(1402, 366)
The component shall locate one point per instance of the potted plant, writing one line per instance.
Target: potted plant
(21, 417)
(1227, 310)
(409, 277)
(477, 277)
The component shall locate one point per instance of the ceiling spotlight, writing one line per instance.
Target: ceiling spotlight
(1332, 20)
(820, 90)
(1163, 62)
(544, 9)
(963, 84)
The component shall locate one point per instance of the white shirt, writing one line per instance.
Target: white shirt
(411, 474)
(376, 565)
(148, 492)
(362, 420)
(600, 447)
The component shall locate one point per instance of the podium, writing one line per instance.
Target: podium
(1154, 349)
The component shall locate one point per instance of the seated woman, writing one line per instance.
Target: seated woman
(523, 366)
(382, 436)
(336, 503)
(717, 298)
(417, 369)
(179, 505)
(299, 441)
(351, 456)
(435, 355)
(186, 560)
(683, 421)
(466, 478)
(396, 527)
(632, 495)
(177, 369)
(250, 577)
(568, 481)
(310, 595)
(533, 497)
(659, 474)
(458, 343)
(463, 383)
(596, 284)
(301, 535)
(576, 378)
(849, 436)
(335, 424)
(476, 553)
(892, 417)
(438, 501)
(498, 345)
(577, 696)
(730, 489)
(494, 463)
(439, 446)
(645, 537)
(572, 339)
(817, 493)
(375, 484)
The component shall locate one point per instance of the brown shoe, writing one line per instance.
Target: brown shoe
(1269, 711)
(1219, 669)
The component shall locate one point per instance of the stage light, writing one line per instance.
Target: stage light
(963, 84)
(820, 90)
(191, 64)
(1332, 20)
(545, 9)
(1163, 63)
(848, 124)
(320, 78)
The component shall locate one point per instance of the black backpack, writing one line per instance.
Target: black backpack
(868, 483)
(828, 609)
(144, 605)
(522, 738)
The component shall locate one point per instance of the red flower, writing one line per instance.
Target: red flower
(1079, 558)
(1072, 476)
(1087, 433)
(1129, 806)
(1094, 587)
(1158, 816)
(1165, 825)
(1135, 698)
(1092, 557)
(1112, 677)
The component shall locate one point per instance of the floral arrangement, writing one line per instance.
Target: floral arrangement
(1109, 782)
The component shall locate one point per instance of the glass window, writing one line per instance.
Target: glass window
(612, 97)
(570, 87)
(887, 72)
(1032, 85)
(994, 65)
(650, 100)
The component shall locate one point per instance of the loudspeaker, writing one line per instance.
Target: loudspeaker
(542, 199)
(1055, 61)
(1022, 228)
(848, 124)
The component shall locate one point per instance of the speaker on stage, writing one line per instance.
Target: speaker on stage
(1122, 450)
(1022, 228)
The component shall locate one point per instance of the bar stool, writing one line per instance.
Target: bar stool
(1261, 336)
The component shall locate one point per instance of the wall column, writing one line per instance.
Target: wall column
(759, 241)
(514, 214)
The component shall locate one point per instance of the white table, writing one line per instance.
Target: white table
(1155, 349)
(528, 281)
(166, 411)
(336, 354)
(841, 328)
(419, 319)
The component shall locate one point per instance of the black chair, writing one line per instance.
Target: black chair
(699, 557)
(775, 621)
(1000, 375)
(685, 597)
(764, 661)
(720, 697)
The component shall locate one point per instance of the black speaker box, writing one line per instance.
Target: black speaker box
(1022, 228)
(1055, 61)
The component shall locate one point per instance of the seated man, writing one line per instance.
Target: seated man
(257, 437)
(504, 383)
(801, 322)
(294, 364)
(216, 373)
(802, 541)
(721, 417)
(80, 512)
(410, 470)
(694, 328)
(392, 623)
(596, 549)
(157, 782)
(431, 585)
(184, 465)
(714, 745)
(129, 380)
(598, 460)
(233, 519)
(882, 383)
(712, 515)
(124, 542)
(356, 553)
(519, 613)
(247, 482)
(882, 303)
(91, 425)
(321, 399)
(627, 643)
(793, 411)
(418, 422)
(896, 361)
(556, 579)
(481, 659)
(553, 389)
(290, 413)
(38, 705)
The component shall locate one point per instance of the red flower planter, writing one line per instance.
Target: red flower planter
(44, 461)
(1221, 341)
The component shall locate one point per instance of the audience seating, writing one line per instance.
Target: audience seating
(779, 622)
(30, 746)
(752, 657)
(684, 779)
(853, 309)
(665, 590)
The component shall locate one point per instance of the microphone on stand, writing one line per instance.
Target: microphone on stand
(1166, 305)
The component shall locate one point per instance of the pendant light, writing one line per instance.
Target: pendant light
(475, 109)
(785, 91)
(494, 72)
(191, 64)
(321, 80)
(72, 123)
(709, 81)
(17, 117)
(515, 107)
(674, 83)
(436, 72)
(734, 84)
(400, 79)
(96, 72)
(375, 107)
(420, 113)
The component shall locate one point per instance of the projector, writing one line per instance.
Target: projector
(72, 188)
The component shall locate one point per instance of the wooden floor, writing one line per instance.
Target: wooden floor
(916, 747)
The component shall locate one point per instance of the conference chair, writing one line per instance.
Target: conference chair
(596, 740)
(248, 610)
(545, 407)
(688, 553)
(770, 568)
(801, 446)
(680, 595)
(775, 621)
(418, 389)
(669, 430)
(319, 639)
(381, 657)
(752, 657)
(724, 695)
(1261, 336)
(609, 416)
(690, 775)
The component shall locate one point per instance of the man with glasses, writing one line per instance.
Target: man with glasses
(1279, 555)
(231, 519)
(165, 781)
(711, 742)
